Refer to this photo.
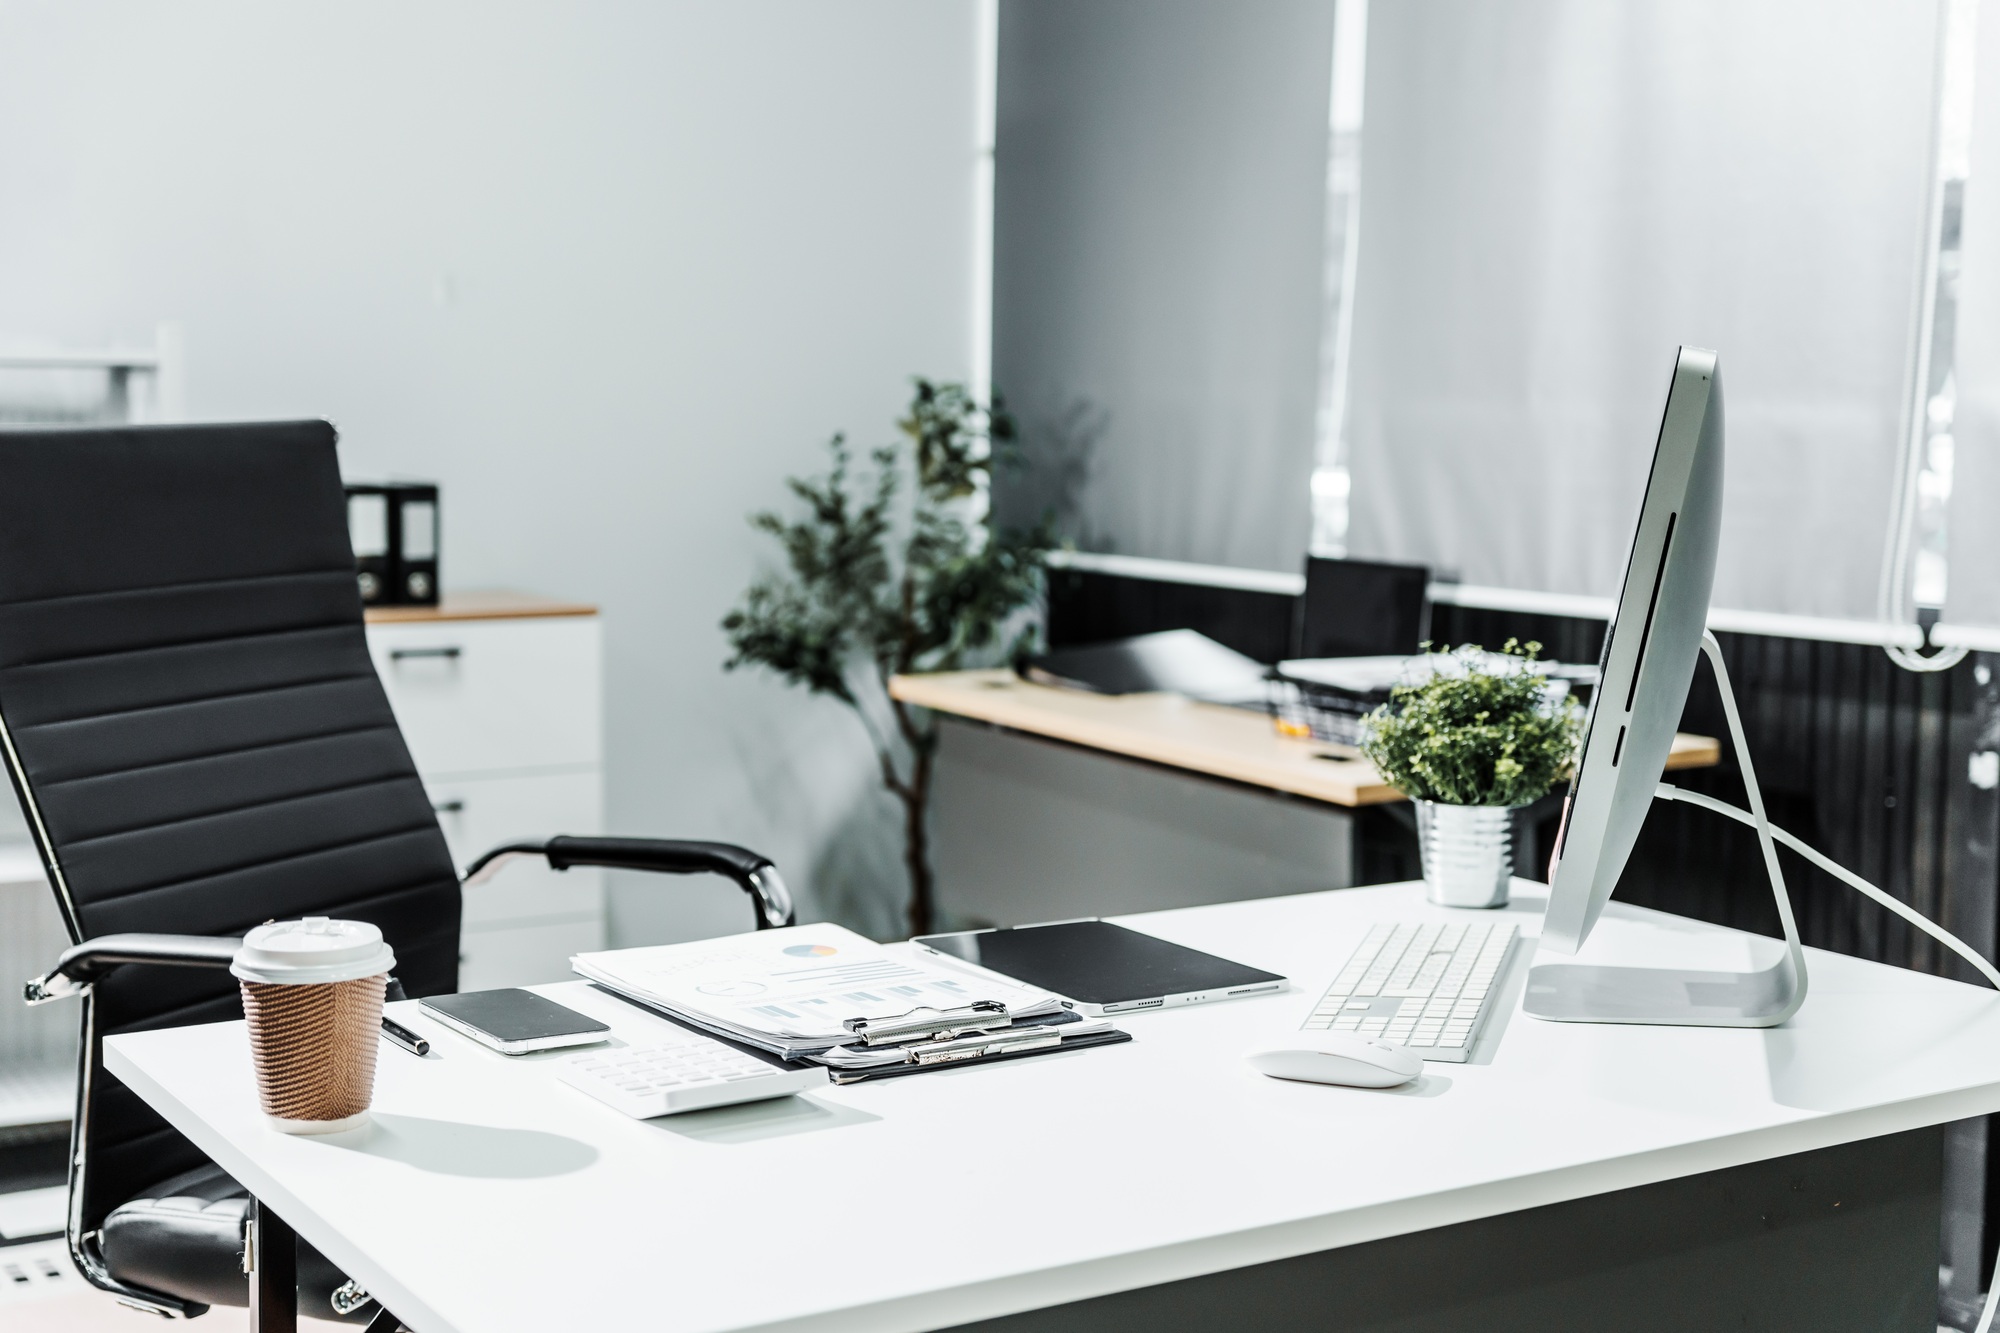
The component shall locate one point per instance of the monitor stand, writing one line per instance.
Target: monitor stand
(1580, 993)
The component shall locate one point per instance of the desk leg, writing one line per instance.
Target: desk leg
(274, 1272)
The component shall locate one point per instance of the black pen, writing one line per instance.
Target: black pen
(405, 1038)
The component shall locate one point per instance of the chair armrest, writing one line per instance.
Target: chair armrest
(666, 856)
(84, 963)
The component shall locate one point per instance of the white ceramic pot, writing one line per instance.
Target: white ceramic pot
(1468, 852)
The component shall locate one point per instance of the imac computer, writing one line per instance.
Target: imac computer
(1650, 651)
(1649, 655)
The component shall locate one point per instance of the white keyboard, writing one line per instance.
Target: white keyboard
(1427, 987)
(689, 1072)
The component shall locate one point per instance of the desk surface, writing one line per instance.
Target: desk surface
(488, 1198)
(1168, 729)
(479, 604)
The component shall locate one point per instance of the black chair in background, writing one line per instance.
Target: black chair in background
(199, 743)
(1362, 608)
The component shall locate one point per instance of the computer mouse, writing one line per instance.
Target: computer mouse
(1346, 1058)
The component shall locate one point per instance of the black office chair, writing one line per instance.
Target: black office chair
(200, 743)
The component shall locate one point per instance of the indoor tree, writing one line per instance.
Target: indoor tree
(899, 569)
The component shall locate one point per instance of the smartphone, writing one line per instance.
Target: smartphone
(514, 1022)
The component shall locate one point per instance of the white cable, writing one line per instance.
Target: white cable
(1667, 791)
(1795, 951)
(1756, 818)
(1950, 941)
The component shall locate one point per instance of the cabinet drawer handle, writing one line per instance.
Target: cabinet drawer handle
(448, 807)
(398, 654)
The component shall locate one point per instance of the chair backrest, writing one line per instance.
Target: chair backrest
(194, 727)
(1362, 608)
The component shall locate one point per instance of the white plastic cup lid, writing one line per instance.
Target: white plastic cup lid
(315, 951)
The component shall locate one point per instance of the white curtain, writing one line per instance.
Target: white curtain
(1555, 195)
(1158, 256)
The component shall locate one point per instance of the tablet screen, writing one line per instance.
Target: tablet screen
(512, 1015)
(1096, 962)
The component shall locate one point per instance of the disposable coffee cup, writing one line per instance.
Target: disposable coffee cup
(312, 997)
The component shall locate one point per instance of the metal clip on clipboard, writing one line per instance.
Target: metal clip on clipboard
(992, 1043)
(927, 1024)
(985, 1027)
(928, 1038)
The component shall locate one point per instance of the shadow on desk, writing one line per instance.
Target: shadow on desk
(448, 1148)
(1885, 1044)
(753, 1122)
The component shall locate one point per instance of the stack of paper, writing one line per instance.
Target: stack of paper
(792, 991)
(1379, 675)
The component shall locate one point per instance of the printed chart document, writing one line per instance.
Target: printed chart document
(791, 991)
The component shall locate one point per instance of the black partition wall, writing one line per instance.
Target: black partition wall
(1871, 763)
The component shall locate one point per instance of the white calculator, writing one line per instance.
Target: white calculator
(688, 1072)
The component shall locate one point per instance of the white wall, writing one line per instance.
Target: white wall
(606, 271)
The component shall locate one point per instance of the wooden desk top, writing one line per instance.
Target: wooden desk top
(1168, 729)
(480, 604)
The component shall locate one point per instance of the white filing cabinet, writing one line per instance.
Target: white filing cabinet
(500, 696)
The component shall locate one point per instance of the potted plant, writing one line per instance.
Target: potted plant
(1481, 736)
(900, 571)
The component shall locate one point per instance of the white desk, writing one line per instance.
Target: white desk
(488, 1198)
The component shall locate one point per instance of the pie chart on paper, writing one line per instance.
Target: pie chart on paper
(811, 950)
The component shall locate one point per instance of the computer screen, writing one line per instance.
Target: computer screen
(1649, 656)
(1362, 608)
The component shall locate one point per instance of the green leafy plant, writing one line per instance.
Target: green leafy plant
(877, 585)
(1483, 730)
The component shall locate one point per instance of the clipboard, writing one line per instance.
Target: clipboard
(1017, 1041)
(977, 1034)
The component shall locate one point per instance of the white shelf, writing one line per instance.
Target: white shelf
(114, 360)
(37, 1212)
(20, 863)
(36, 1094)
(37, 1046)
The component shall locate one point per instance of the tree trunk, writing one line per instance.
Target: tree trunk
(916, 797)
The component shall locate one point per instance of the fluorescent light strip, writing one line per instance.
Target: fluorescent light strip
(986, 94)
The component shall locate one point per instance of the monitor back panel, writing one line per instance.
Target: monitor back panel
(1362, 608)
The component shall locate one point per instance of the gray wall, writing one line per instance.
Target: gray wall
(1160, 190)
(607, 272)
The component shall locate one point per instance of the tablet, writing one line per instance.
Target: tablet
(1104, 968)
